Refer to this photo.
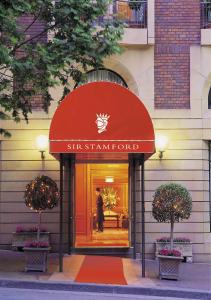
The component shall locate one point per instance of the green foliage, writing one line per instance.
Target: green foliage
(171, 203)
(110, 197)
(41, 194)
(31, 64)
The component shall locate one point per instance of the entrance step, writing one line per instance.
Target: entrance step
(121, 252)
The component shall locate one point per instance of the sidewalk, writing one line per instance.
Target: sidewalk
(194, 277)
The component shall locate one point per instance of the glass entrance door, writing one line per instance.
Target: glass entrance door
(112, 181)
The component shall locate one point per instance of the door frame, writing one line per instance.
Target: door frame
(72, 217)
(133, 162)
(137, 160)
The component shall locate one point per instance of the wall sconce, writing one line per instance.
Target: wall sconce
(161, 144)
(42, 145)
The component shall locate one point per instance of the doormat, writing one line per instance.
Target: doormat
(101, 269)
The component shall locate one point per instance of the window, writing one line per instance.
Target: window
(206, 13)
(209, 99)
(105, 75)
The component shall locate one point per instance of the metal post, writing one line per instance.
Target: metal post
(69, 184)
(143, 217)
(134, 205)
(209, 149)
(61, 216)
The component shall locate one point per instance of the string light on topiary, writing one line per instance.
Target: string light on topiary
(41, 193)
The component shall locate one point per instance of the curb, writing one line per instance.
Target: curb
(112, 289)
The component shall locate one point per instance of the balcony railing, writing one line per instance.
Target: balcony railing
(206, 14)
(133, 13)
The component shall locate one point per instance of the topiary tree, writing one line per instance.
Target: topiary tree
(171, 203)
(41, 193)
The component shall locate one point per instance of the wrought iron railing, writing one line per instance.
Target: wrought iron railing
(133, 13)
(206, 14)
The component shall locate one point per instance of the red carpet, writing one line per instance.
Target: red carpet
(101, 269)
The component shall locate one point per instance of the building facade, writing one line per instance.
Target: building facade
(166, 62)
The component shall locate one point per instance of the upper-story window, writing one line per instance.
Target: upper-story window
(209, 99)
(132, 12)
(206, 13)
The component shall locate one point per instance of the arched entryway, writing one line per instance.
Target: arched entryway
(97, 125)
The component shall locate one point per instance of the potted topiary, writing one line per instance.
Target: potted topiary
(40, 194)
(171, 203)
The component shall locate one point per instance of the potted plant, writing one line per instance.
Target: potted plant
(171, 203)
(40, 194)
(24, 234)
(181, 244)
(36, 255)
(169, 261)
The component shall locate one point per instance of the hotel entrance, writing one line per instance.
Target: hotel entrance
(112, 180)
(102, 134)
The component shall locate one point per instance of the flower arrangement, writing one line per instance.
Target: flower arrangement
(110, 197)
(176, 240)
(20, 229)
(166, 252)
(37, 244)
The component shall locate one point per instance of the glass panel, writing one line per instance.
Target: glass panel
(104, 75)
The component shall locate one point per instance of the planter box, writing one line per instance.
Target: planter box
(20, 238)
(184, 248)
(36, 259)
(169, 267)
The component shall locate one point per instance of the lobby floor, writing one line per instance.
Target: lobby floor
(110, 237)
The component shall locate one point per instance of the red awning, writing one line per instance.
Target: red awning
(101, 117)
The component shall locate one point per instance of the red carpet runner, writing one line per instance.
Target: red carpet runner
(101, 269)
